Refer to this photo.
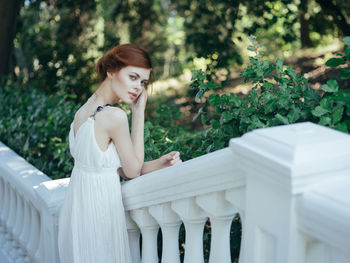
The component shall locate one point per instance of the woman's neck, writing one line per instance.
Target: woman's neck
(105, 95)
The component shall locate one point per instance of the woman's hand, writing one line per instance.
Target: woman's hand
(140, 102)
(169, 159)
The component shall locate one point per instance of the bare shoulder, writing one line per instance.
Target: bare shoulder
(114, 117)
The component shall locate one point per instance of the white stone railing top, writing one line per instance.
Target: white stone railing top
(21, 174)
(209, 173)
(296, 154)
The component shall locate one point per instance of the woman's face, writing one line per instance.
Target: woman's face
(129, 82)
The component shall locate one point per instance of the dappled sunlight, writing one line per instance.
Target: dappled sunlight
(171, 86)
(4, 148)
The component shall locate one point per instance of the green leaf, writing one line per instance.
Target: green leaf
(335, 62)
(215, 124)
(265, 64)
(337, 115)
(291, 73)
(281, 118)
(293, 115)
(343, 97)
(342, 127)
(346, 40)
(284, 101)
(347, 52)
(226, 117)
(344, 73)
(235, 100)
(331, 86)
(212, 85)
(319, 111)
(279, 64)
(214, 100)
(311, 95)
(326, 103)
(204, 119)
(325, 120)
(267, 97)
(259, 72)
(255, 123)
(251, 48)
(268, 85)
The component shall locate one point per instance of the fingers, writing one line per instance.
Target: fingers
(172, 155)
(175, 158)
(176, 161)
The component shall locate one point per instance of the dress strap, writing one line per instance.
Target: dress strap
(99, 108)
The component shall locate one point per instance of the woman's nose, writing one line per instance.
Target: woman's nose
(139, 85)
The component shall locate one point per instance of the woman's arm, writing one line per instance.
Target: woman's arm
(118, 131)
(137, 127)
(164, 161)
(137, 133)
(130, 148)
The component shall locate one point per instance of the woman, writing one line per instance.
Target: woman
(92, 224)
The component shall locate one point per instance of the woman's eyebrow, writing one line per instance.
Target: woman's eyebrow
(138, 75)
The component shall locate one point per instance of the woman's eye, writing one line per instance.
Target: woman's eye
(132, 77)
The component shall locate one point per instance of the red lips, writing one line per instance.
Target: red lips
(132, 95)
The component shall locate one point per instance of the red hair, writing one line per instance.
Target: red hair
(122, 56)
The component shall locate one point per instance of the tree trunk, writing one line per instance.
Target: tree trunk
(9, 10)
(335, 11)
(304, 25)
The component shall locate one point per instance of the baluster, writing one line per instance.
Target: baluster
(15, 251)
(12, 210)
(10, 220)
(237, 198)
(149, 230)
(194, 219)
(27, 222)
(2, 196)
(6, 208)
(19, 227)
(35, 232)
(170, 224)
(134, 238)
(25, 234)
(39, 255)
(2, 203)
(4, 215)
(221, 214)
(19, 217)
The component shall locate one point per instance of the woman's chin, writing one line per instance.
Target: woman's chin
(129, 101)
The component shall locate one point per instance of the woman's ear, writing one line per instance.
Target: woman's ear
(110, 75)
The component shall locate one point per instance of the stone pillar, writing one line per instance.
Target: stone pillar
(280, 164)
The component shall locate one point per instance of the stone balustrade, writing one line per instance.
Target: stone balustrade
(289, 184)
(21, 226)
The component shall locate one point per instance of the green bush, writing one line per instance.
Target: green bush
(279, 96)
(36, 126)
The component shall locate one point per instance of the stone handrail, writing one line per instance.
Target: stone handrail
(289, 184)
(21, 227)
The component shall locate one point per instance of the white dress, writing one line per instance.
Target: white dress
(92, 227)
